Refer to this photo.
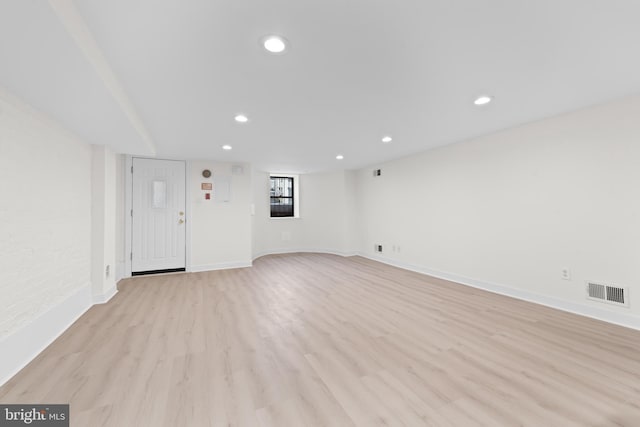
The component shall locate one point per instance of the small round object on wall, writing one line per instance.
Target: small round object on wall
(206, 173)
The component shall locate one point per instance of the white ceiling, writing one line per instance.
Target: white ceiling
(356, 70)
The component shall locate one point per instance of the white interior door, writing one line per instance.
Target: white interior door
(158, 216)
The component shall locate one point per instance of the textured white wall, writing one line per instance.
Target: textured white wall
(516, 207)
(220, 231)
(327, 216)
(45, 215)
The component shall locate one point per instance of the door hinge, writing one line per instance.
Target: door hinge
(131, 169)
(131, 256)
(132, 212)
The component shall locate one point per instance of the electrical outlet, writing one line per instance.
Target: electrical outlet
(565, 274)
(107, 271)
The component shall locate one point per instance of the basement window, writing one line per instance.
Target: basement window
(283, 196)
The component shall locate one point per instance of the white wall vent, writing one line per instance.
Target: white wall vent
(377, 172)
(616, 295)
(609, 294)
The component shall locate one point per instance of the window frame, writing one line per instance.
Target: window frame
(295, 197)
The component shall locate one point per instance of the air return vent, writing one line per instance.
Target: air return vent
(609, 294)
(615, 295)
(596, 291)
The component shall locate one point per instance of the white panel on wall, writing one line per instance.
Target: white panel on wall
(222, 188)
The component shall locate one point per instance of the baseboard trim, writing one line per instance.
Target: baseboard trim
(21, 347)
(244, 264)
(620, 319)
(104, 298)
(219, 266)
(304, 250)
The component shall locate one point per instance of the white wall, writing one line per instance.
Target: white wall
(352, 232)
(220, 230)
(327, 216)
(103, 225)
(516, 207)
(120, 212)
(45, 215)
(45, 232)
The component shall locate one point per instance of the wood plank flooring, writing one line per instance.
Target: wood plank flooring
(320, 340)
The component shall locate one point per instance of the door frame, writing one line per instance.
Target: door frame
(128, 205)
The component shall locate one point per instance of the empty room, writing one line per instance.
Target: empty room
(319, 213)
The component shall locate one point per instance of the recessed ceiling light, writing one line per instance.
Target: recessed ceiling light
(339, 157)
(387, 139)
(227, 147)
(483, 100)
(241, 118)
(275, 44)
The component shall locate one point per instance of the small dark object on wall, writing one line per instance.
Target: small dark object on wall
(206, 173)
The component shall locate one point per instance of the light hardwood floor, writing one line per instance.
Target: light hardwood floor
(319, 340)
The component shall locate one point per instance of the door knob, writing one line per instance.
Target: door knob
(181, 213)
(181, 221)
